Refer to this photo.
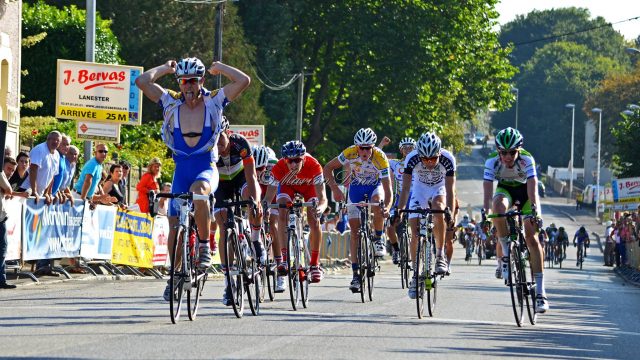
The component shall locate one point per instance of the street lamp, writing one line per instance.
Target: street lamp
(573, 121)
(599, 111)
(515, 90)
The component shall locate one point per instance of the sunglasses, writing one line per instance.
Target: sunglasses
(365, 148)
(294, 160)
(194, 80)
(431, 159)
(509, 152)
(103, 151)
(261, 168)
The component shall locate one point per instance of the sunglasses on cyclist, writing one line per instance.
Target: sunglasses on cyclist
(365, 148)
(194, 80)
(508, 152)
(294, 160)
(430, 160)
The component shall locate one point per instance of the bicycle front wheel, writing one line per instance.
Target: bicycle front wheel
(404, 260)
(177, 275)
(193, 298)
(362, 265)
(530, 297)
(234, 260)
(517, 296)
(293, 259)
(252, 283)
(480, 252)
(430, 282)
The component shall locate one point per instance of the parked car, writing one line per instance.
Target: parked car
(470, 139)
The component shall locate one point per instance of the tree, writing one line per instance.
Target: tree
(399, 67)
(557, 74)
(65, 39)
(620, 145)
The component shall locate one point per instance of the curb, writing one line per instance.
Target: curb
(85, 278)
(628, 274)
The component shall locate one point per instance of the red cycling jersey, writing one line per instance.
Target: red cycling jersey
(302, 182)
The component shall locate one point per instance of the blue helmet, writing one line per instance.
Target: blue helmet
(293, 148)
(189, 67)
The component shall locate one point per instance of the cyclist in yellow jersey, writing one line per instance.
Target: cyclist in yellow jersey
(369, 174)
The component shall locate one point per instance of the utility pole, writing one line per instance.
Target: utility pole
(90, 44)
(217, 49)
(300, 106)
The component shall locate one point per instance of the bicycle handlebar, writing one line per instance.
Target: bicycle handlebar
(185, 196)
(292, 205)
(509, 214)
(426, 211)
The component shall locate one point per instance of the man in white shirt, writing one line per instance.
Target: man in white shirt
(45, 163)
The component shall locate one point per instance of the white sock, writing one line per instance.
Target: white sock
(504, 241)
(539, 277)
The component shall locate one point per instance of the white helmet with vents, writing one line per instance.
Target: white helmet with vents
(429, 145)
(365, 137)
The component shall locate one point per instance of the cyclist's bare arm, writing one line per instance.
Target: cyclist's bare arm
(147, 81)
(450, 186)
(322, 197)
(327, 172)
(388, 191)
(271, 192)
(532, 191)
(404, 193)
(488, 194)
(239, 80)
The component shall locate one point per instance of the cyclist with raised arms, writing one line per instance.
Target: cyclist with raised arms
(265, 161)
(369, 175)
(396, 166)
(190, 130)
(298, 173)
(515, 170)
(237, 170)
(430, 178)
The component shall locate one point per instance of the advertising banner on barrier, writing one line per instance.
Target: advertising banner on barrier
(132, 243)
(13, 207)
(160, 236)
(51, 231)
(98, 227)
(626, 190)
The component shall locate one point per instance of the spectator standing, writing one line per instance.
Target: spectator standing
(72, 161)
(124, 182)
(163, 207)
(113, 187)
(5, 190)
(9, 167)
(63, 149)
(45, 163)
(620, 255)
(147, 183)
(609, 245)
(91, 174)
(21, 173)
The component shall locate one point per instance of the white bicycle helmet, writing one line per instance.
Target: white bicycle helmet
(429, 145)
(190, 67)
(224, 124)
(365, 137)
(271, 155)
(406, 141)
(260, 156)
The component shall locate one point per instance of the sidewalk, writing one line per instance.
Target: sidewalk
(587, 218)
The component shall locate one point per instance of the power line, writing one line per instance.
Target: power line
(575, 32)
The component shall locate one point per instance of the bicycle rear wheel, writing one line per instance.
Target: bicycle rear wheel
(430, 283)
(293, 259)
(581, 256)
(252, 283)
(480, 252)
(362, 264)
(268, 271)
(371, 269)
(517, 296)
(421, 274)
(193, 298)
(234, 260)
(530, 297)
(177, 275)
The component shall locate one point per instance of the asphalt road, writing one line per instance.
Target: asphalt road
(593, 315)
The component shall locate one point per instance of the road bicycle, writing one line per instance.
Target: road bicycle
(480, 250)
(403, 244)
(268, 275)
(367, 261)
(184, 274)
(242, 273)
(580, 255)
(426, 279)
(298, 252)
(550, 254)
(523, 291)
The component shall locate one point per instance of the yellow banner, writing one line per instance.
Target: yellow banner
(133, 244)
(80, 113)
